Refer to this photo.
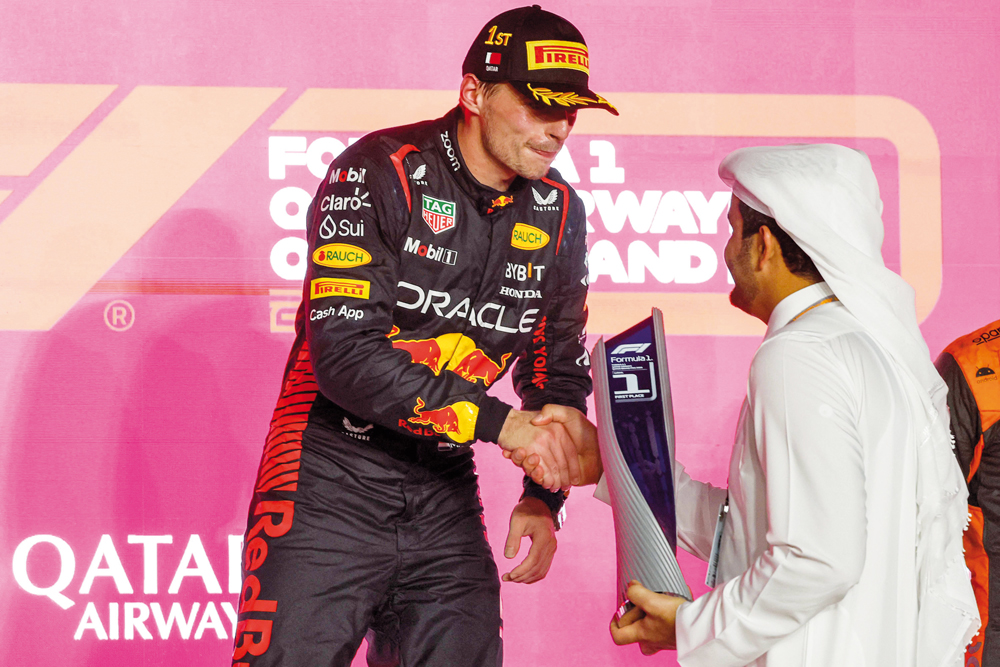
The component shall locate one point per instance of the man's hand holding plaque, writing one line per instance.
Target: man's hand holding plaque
(650, 622)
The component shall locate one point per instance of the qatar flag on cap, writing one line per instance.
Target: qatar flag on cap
(492, 58)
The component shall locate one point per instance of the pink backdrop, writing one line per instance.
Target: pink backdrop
(150, 160)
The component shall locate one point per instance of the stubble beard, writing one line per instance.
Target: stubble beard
(745, 290)
(739, 298)
(508, 152)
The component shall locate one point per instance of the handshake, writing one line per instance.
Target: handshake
(556, 447)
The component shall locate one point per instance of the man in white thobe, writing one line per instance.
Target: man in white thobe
(841, 546)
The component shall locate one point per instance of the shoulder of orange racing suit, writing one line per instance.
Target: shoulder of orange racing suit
(351, 284)
(969, 366)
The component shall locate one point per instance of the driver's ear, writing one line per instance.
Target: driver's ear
(470, 94)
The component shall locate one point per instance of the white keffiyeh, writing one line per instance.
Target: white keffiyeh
(826, 198)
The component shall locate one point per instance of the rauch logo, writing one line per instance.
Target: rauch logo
(526, 237)
(341, 255)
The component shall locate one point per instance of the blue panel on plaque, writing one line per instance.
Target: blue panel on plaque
(637, 412)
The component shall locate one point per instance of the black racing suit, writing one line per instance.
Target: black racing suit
(423, 287)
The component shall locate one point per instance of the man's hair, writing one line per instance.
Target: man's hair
(489, 87)
(797, 261)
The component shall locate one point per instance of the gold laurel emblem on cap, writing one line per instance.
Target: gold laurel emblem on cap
(566, 99)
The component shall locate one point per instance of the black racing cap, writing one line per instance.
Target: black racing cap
(541, 54)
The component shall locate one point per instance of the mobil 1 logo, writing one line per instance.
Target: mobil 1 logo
(431, 251)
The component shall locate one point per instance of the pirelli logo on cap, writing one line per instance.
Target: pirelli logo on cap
(555, 54)
(323, 287)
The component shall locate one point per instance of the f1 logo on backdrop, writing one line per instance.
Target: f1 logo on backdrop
(145, 153)
(155, 142)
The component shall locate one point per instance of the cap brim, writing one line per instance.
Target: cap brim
(561, 96)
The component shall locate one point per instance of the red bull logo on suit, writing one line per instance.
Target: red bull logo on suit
(475, 365)
(457, 353)
(431, 352)
(457, 421)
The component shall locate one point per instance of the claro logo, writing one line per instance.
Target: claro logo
(341, 256)
(526, 237)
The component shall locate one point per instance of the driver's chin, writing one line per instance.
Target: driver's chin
(533, 166)
(534, 174)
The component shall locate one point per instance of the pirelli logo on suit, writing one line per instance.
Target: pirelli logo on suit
(324, 287)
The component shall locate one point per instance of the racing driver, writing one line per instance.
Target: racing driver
(441, 255)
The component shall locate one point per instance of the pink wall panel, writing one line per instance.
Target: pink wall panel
(150, 158)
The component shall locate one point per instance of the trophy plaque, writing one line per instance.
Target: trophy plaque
(635, 424)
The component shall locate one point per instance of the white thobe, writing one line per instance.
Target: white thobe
(817, 562)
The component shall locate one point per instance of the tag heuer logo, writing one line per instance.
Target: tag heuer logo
(439, 214)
